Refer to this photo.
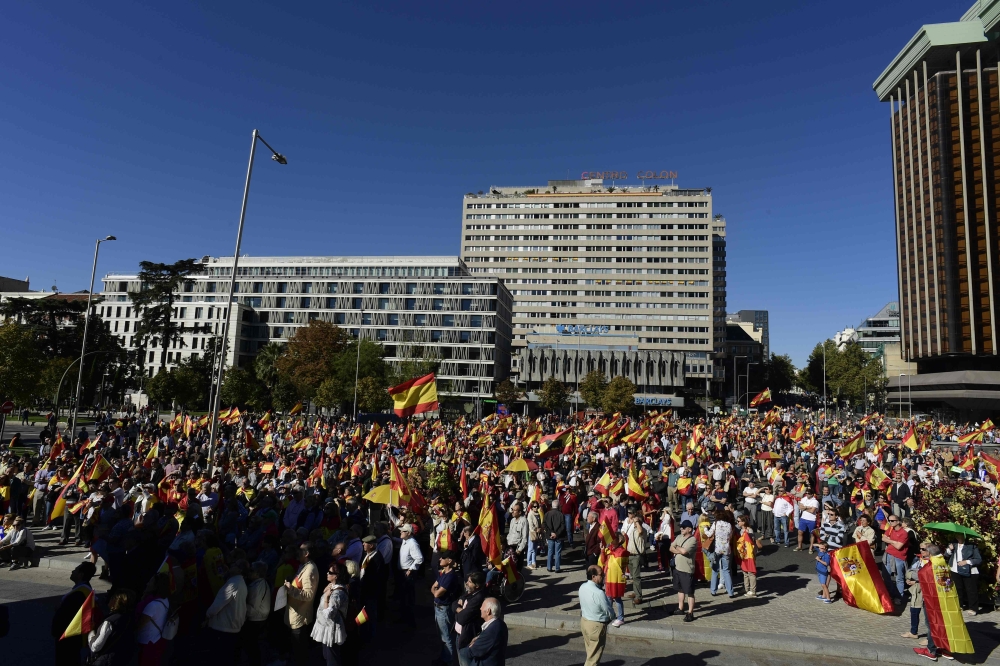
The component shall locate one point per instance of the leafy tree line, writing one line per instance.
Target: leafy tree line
(849, 370)
(595, 390)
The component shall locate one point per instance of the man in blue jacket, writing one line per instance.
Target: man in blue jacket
(489, 648)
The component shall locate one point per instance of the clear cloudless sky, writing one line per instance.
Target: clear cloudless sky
(134, 119)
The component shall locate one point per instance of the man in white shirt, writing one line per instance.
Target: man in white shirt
(782, 510)
(226, 615)
(410, 559)
(808, 509)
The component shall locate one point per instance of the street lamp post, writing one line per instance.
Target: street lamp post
(909, 396)
(824, 382)
(280, 159)
(736, 382)
(83, 346)
(748, 383)
(357, 361)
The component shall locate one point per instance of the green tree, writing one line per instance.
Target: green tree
(619, 396)
(329, 394)
(507, 393)
(190, 386)
(20, 363)
(592, 388)
(52, 373)
(372, 396)
(53, 320)
(241, 388)
(310, 356)
(849, 370)
(162, 388)
(553, 394)
(419, 362)
(265, 365)
(155, 300)
(779, 373)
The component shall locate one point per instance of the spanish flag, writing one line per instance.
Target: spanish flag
(677, 455)
(876, 478)
(154, 452)
(101, 470)
(944, 613)
(296, 409)
(83, 622)
(445, 540)
(992, 466)
(463, 481)
(489, 535)
(853, 446)
(799, 432)
(763, 396)
(266, 468)
(59, 508)
(910, 440)
(603, 483)
(634, 487)
(265, 421)
(854, 569)
(702, 563)
(553, 445)
(615, 564)
(361, 618)
(415, 396)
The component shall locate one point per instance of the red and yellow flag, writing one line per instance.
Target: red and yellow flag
(489, 535)
(876, 478)
(861, 585)
(762, 397)
(944, 613)
(83, 622)
(853, 446)
(553, 445)
(992, 466)
(603, 484)
(361, 618)
(416, 396)
(910, 440)
(101, 470)
(296, 409)
(633, 487)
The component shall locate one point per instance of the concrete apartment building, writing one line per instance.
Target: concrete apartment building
(416, 307)
(605, 276)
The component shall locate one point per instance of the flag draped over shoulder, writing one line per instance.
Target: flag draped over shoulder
(854, 569)
(415, 396)
(944, 613)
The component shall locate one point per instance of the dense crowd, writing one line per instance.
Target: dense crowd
(267, 548)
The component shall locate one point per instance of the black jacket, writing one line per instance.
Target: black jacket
(553, 522)
(490, 648)
(469, 618)
(473, 557)
(373, 582)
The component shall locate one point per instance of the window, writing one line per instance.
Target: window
(466, 304)
(258, 288)
(210, 287)
(381, 334)
(410, 304)
(435, 336)
(289, 318)
(339, 318)
(438, 288)
(383, 288)
(282, 287)
(253, 301)
(448, 320)
(477, 321)
(438, 304)
(467, 288)
(197, 313)
(306, 302)
(420, 320)
(118, 311)
(411, 288)
(331, 287)
(366, 319)
(356, 303)
(307, 287)
(183, 313)
(331, 303)
(126, 326)
(393, 319)
(359, 287)
(383, 304)
(279, 331)
(280, 302)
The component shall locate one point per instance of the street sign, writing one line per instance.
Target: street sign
(7, 407)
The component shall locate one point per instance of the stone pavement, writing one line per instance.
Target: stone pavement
(785, 615)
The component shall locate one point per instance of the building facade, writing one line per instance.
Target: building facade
(415, 307)
(634, 261)
(880, 329)
(719, 356)
(945, 138)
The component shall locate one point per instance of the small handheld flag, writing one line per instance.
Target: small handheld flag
(83, 622)
(361, 618)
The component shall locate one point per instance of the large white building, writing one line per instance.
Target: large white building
(416, 307)
(632, 262)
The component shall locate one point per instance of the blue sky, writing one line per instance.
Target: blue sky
(134, 119)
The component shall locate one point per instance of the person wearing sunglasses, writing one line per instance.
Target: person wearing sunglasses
(897, 544)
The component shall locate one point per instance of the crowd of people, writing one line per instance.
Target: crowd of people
(266, 547)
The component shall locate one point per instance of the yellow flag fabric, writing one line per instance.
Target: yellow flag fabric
(944, 612)
(853, 446)
(415, 396)
(861, 585)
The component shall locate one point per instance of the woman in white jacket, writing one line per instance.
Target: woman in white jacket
(329, 630)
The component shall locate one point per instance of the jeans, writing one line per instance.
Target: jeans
(897, 566)
(720, 565)
(914, 621)
(569, 527)
(408, 598)
(446, 626)
(464, 657)
(781, 529)
(532, 561)
(555, 551)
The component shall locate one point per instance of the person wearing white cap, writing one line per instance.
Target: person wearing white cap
(410, 559)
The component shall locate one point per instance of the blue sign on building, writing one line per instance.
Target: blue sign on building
(582, 329)
(654, 402)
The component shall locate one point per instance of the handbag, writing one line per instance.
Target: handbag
(171, 626)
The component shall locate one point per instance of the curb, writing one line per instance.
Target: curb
(822, 647)
(59, 563)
